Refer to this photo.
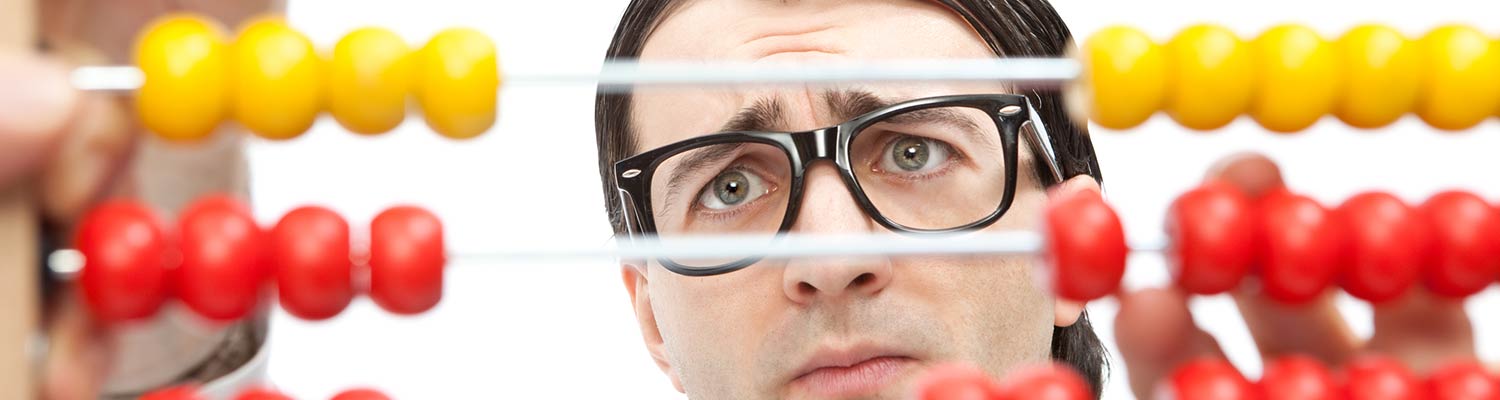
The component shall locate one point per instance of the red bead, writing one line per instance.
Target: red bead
(1044, 382)
(1464, 380)
(124, 274)
(1389, 243)
(1205, 378)
(956, 382)
(406, 260)
(310, 249)
(222, 270)
(361, 394)
(1086, 246)
(1300, 246)
(183, 392)
(1297, 377)
(262, 394)
(1466, 238)
(1213, 232)
(1379, 378)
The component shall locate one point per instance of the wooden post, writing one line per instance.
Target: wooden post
(19, 294)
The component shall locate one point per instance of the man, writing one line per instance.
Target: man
(863, 328)
(839, 328)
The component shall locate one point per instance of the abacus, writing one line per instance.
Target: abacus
(1373, 246)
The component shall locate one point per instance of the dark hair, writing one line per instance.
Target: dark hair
(1016, 28)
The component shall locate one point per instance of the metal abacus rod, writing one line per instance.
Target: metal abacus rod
(624, 76)
(67, 262)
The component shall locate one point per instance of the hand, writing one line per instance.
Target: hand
(67, 145)
(1155, 330)
(73, 149)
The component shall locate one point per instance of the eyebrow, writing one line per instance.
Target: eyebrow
(764, 114)
(852, 103)
(769, 113)
(942, 116)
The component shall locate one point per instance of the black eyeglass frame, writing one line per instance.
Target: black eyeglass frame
(1012, 114)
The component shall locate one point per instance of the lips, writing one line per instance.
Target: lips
(858, 371)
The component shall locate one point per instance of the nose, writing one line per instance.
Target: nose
(829, 208)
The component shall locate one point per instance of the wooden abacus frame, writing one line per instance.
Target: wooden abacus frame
(19, 295)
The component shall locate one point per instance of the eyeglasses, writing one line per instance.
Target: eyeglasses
(930, 165)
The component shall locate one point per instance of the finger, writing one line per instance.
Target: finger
(78, 357)
(1423, 330)
(1315, 328)
(95, 150)
(35, 106)
(1253, 173)
(1155, 332)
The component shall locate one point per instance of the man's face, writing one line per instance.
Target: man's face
(829, 327)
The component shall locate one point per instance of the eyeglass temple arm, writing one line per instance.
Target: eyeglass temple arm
(1041, 142)
(627, 213)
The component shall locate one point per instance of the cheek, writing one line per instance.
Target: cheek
(714, 326)
(1025, 211)
(998, 314)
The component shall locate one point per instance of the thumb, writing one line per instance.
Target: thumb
(35, 107)
(1080, 183)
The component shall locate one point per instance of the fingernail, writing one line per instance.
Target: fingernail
(38, 97)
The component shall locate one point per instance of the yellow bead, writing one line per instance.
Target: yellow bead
(369, 78)
(1462, 85)
(458, 79)
(1297, 76)
(1127, 73)
(1214, 77)
(1382, 76)
(278, 80)
(186, 92)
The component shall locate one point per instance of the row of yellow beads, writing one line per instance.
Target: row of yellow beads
(1289, 77)
(273, 81)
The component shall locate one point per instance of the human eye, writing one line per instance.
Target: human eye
(914, 157)
(734, 187)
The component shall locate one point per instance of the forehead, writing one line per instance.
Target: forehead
(765, 31)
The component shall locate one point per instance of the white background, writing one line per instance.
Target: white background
(566, 331)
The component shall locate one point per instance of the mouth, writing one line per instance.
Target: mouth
(851, 373)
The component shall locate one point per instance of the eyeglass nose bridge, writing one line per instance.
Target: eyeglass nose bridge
(819, 144)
